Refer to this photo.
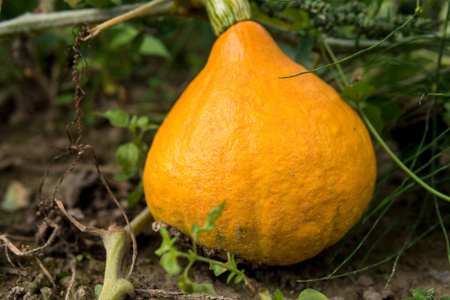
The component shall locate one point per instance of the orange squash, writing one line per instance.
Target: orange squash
(293, 161)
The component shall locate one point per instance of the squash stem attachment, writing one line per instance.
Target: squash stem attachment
(225, 13)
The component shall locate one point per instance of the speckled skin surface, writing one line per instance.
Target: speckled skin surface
(293, 161)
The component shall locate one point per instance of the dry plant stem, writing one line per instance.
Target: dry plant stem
(137, 12)
(73, 268)
(18, 252)
(44, 269)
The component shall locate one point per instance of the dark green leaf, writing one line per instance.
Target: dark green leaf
(310, 294)
(303, 51)
(134, 197)
(445, 298)
(64, 99)
(373, 113)
(152, 46)
(116, 117)
(185, 284)
(358, 92)
(278, 295)
(128, 156)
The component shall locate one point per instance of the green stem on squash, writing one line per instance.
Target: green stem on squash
(398, 161)
(140, 222)
(115, 287)
(225, 13)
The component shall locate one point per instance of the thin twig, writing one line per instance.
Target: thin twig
(131, 233)
(75, 222)
(18, 252)
(44, 269)
(137, 12)
(73, 268)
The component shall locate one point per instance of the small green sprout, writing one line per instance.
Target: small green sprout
(131, 155)
(169, 258)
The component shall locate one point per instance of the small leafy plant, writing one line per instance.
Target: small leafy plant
(419, 294)
(170, 255)
(131, 155)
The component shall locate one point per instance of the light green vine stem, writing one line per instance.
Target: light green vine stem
(225, 13)
(115, 287)
(140, 222)
(398, 161)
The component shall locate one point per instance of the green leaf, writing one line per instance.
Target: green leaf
(358, 92)
(185, 284)
(419, 293)
(120, 177)
(445, 298)
(189, 287)
(128, 156)
(64, 99)
(72, 3)
(116, 117)
(142, 122)
(303, 51)
(239, 278)
(278, 295)
(169, 261)
(134, 197)
(152, 46)
(98, 289)
(167, 242)
(230, 277)
(123, 36)
(212, 216)
(168, 253)
(218, 270)
(98, 3)
(373, 113)
(310, 294)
